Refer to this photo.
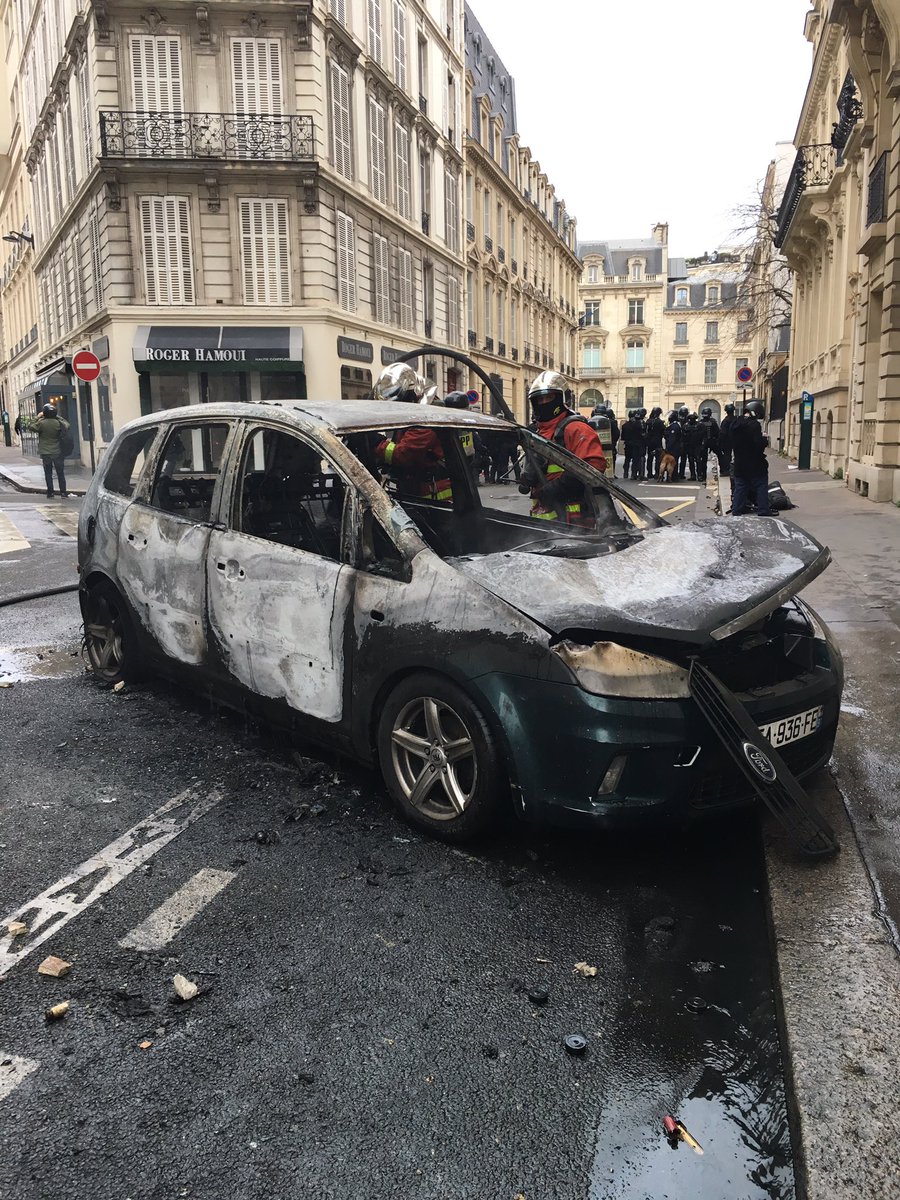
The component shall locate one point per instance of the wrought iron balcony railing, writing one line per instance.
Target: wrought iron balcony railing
(234, 136)
(814, 166)
(470, 231)
(875, 207)
(473, 337)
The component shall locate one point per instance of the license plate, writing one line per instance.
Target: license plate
(792, 729)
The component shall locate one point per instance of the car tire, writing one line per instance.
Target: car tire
(109, 638)
(440, 760)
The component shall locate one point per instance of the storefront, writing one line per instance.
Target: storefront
(205, 364)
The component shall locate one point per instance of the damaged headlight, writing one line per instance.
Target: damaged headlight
(608, 669)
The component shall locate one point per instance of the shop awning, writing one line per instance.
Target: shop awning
(218, 347)
(53, 381)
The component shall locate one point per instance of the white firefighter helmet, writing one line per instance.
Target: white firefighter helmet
(399, 382)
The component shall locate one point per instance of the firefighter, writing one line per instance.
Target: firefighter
(559, 496)
(413, 456)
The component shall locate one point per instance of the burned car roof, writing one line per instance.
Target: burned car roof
(338, 416)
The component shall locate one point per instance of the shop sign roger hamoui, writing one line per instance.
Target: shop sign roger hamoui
(194, 354)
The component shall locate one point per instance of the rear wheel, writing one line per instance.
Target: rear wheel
(439, 758)
(109, 637)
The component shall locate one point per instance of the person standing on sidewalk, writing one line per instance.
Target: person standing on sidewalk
(50, 429)
(751, 467)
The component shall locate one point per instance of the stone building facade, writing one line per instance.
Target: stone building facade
(522, 270)
(241, 204)
(839, 228)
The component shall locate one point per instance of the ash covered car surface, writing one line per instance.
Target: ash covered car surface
(333, 568)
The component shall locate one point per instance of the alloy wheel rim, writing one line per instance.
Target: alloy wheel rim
(103, 635)
(434, 758)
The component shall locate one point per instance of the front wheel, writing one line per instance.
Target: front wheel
(440, 759)
(109, 637)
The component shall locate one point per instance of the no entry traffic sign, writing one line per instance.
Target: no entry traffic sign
(86, 365)
(745, 374)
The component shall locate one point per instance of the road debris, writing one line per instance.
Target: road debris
(696, 1004)
(57, 1011)
(184, 989)
(538, 995)
(120, 686)
(575, 1043)
(5, 685)
(585, 969)
(145, 1044)
(676, 1132)
(55, 967)
(16, 928)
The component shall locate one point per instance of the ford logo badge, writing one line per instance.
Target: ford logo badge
(760, 762)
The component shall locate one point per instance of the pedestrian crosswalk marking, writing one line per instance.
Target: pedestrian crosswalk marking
(677, 507)
(10, 538)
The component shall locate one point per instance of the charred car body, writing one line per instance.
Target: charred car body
(477, 654)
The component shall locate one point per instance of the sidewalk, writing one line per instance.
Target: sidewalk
(26, 474)
(836, 924)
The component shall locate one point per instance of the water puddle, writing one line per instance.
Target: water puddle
(39, 662)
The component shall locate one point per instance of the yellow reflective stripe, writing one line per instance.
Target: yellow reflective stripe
(553, 469)
(446, 494)
(550, 516)
(573, 508)
(389, 452)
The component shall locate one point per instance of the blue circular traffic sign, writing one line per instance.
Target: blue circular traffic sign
(745, 374)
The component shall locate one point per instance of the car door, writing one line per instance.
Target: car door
(163, 539)
(278, 591)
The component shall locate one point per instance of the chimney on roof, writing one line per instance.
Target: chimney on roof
(661, 233)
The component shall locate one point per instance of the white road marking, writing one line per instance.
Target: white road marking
(65, 519)
(47, 913)
(180, 908)
(10, 538)
(13, 1072)
(677, 507)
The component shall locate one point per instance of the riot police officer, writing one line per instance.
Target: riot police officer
(656, 428)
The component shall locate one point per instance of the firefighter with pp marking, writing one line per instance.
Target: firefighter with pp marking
(414, 456)
(557, 495)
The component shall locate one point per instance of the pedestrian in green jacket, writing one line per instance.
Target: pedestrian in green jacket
(49, 428)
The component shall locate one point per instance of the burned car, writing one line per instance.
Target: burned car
(274, 556)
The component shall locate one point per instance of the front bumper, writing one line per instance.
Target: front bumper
(561, 742)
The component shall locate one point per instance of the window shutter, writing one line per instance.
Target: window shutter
(168, 262)
(156, 75)
(96, 257)
(453, 313)
(382, 279)
(451, 210)
(377, 162)
(257, 76)
(374, 18)
(405, 273)
(338, 9)
(445, 100)
(264, 251)
(401, 143)
(346, 262)
(400, 45)
(341, 133)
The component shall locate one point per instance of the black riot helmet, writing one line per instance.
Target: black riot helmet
(656, 412)
(456, 400)
(673, 418)
(729, 408)
(706, 413)
(755, 408)
(684, 412)
(692, 417)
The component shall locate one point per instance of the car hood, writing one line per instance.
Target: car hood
(688, 582)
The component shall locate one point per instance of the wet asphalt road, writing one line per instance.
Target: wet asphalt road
(364, 1027)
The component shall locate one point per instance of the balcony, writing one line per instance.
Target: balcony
(875, 210)
(423, 105)
(527, 352)
(501, 349)
(488, 244)
(501, 254)
(814, 166)
(514, 266)
(489, 345)
(470, 232)
(595, 372)
(473, 337)
(212, 136)
(426, 222)
(429, 326)
(515, 354)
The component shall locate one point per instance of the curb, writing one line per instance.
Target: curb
(34, 491)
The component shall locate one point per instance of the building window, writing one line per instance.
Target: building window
(341, 129)
(680, 373)
(487, 213)
(681, 336)
(346, 262)
(739, 363)
(168, 262)
(400, 45)
(86, 114)
(635, 312)
(256, 75)
(592, 312)
(470, 299)
(373, 10)
(634, 397)
(635, 356)
(405, 275)
(743, 331)
(377, 152)
(637, 271)
(681, 297)
(592, 275)
(265, 258)
(96, 257)
(68, 145)
(488, 303)
(590, 357)
(451, 211)
(711, 370)
(381, 279)
(402, 170)
(156, 77)
(454, 327)
(712, 293)
(338, 9)
(712, 331)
